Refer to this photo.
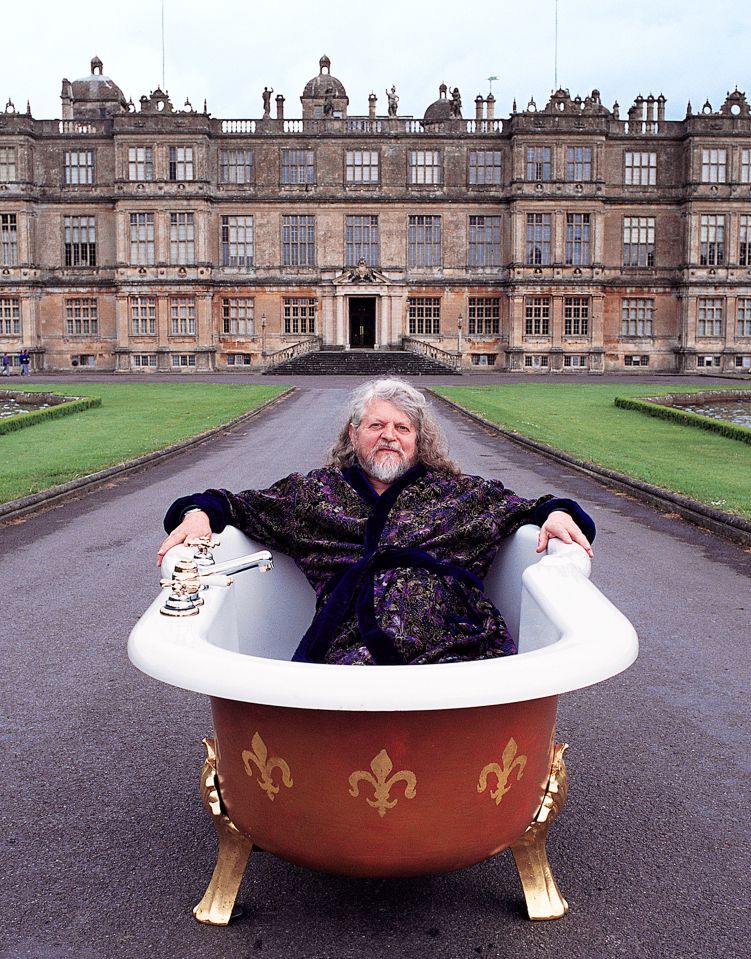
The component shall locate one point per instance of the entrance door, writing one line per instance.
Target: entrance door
(362, 321)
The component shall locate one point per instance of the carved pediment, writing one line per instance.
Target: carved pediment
(362, 273)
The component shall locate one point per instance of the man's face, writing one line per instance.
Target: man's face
(385, 442)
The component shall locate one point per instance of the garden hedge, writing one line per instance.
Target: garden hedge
(653, 407)
(68, 406)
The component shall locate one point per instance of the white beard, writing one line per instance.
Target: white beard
(387, 470)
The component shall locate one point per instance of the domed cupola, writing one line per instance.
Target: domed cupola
(94, 97)
(324, 95)
(444, 108)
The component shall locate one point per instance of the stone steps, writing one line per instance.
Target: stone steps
(360, 363)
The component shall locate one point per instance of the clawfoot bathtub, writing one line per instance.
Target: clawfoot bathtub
(384, 771)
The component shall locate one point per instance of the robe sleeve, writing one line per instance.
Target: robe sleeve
(582, 519)
(266, 515)
(517, 511)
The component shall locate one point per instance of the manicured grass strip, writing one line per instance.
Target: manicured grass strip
(582, 420)
(23, 420)
(133, 419)
(733, 431)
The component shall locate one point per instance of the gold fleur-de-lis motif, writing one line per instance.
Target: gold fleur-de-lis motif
(258, 756)
(510, 762)
(381, 780)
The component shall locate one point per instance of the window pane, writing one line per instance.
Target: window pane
(297, 167)
(484, 167)
(424, 315)
(361, 240)
(425, 167)
(424, 241)
(538, 239)
(484, 241)
(484, 316)
(362, 166)
(577, 239)
(300, 315)
(539, 163)
(236, 166)
(298, 240)
(79, 241)
(237, 242)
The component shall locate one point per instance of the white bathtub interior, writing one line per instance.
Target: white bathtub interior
(240, 643)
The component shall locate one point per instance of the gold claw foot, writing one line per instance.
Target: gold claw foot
(544, 900)
(215, 909)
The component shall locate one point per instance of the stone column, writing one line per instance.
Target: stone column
(163, 319)
(729, 349)
(515, 320)
(597, 237)
(559, 236)
(29, 308)
(26, 238)
(161, 236)
(557, 322)
(204, 324)
(597, 322)
(341, 338)
(399, 327)
(517, 222)
(689, 307)
(383, 307)
(122, 331)
(328, 309)
(122, 237)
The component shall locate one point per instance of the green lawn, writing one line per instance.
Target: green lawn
(582, 420)
(133, 419)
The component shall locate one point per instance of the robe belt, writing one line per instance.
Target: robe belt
(357, 583)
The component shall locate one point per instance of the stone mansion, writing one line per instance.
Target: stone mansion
(563, 238)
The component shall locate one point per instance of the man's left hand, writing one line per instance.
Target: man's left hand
(560, 525)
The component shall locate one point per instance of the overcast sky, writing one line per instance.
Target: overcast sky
(228, 50)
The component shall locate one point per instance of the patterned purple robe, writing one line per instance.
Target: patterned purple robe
(398, 577)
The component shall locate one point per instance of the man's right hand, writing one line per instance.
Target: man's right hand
(195, 523)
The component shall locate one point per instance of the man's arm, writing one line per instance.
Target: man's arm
(266, 515)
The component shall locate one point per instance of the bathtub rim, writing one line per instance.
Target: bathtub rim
(588, 651)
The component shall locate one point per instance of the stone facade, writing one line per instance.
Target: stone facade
(560, 239)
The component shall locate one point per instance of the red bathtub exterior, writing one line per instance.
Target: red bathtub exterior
(298, 782)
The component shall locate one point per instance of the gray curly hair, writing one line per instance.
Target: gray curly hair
(431, 446)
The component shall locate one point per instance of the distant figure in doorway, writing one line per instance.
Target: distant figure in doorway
(24, 359)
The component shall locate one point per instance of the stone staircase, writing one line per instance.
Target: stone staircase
(360, 363)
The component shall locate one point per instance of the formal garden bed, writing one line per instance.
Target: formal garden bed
(668, 406)
(46, 406)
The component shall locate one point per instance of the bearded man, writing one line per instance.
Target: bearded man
(394, 539)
